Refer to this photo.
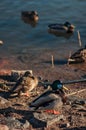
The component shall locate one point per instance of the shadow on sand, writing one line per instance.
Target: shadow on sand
(27, 115)
(58, 62)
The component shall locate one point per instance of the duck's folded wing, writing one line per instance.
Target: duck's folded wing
(43, 100)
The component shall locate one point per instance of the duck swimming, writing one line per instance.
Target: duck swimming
(62, 28)
(30, 15)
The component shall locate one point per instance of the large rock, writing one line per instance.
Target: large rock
(3, 127)
(4, 101)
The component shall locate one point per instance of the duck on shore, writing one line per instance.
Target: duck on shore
(24, 85)
(78, 57)
(51, 99)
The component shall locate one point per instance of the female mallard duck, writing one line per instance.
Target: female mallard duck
(30, 15)
(78, 57)
(62, 28)
(25, 84)
(50, 100)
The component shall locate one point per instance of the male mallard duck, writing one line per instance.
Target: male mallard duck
(30, 15)
(62, 28)
(25, 84)
(51, 99)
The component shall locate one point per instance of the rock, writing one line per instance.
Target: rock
(76, 100)
(45, 119)
(4, 72)
(26, 125)
(3, 127)
(1, 42)
(65, 125)
(3, 101)
(15, 124)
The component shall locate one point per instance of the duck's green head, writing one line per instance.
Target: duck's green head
(58, 85)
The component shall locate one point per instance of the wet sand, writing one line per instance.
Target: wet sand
(41, 64)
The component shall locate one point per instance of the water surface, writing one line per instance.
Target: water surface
(20, 37)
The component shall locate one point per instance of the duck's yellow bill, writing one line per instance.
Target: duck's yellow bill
(65, 88)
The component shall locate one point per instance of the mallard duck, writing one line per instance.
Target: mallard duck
(62, 28)
(51, 99)
(79, 56)
(30, 15)
(25, 84)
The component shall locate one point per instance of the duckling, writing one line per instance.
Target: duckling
(25, 84)
(30, 15)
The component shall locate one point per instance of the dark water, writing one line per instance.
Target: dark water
(20, 37)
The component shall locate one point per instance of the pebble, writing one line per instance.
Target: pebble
(3, 101)
(65, 125)
(3, 127)
(1, 42)
(26, 125)
(15, 124)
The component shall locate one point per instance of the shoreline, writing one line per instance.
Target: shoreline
(41, 64)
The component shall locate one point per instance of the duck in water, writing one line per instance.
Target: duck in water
(30, 15)
(65, 28)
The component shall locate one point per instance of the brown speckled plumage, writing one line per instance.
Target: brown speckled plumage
(25, 84)
(30, 15)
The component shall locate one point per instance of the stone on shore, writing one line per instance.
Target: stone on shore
(1, 42)
(3, 127)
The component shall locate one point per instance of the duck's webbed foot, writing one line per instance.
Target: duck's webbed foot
(26, 94)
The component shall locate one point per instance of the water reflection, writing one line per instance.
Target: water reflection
(27, 21)
(60, 34)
